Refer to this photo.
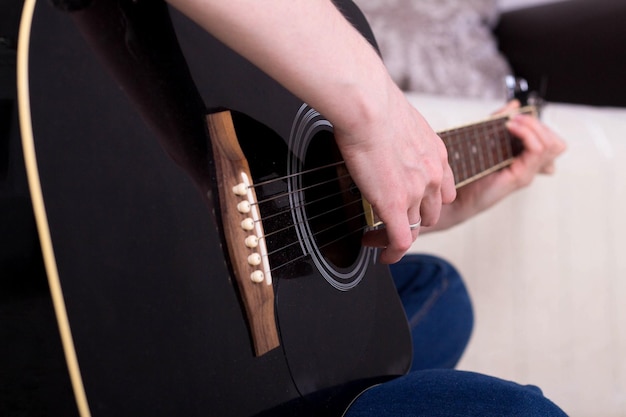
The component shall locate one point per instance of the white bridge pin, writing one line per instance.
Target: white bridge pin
(257, 276)
(254, 259)
(247, 224)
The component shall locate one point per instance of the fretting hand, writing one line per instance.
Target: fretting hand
(541, 147)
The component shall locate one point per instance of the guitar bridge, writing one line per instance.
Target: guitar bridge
(244, 234)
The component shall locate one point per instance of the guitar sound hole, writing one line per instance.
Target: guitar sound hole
(333, 203)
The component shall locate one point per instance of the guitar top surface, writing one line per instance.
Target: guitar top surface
(132, 203)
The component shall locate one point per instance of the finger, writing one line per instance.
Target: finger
(553, 142)
(550, 142)
(400, 238)
(415, 232)
(548, 169)
(522, 126)
(376, 238)
(437, 193)
(448, 188)
(430, 208)
(508, 108)
(415, 216)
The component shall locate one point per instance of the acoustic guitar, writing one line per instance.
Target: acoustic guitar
(201, 234)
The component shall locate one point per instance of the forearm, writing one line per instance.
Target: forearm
(398, 162)
(303, 44)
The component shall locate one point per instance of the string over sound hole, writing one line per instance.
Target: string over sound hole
(333, 203)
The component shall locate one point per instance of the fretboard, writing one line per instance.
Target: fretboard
(478, 149)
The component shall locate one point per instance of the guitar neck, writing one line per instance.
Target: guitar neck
(479, 149)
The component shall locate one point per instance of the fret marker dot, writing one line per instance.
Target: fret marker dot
(456, 155)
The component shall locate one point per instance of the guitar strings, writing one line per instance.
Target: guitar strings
(264, 218)
(309, 171)
(289, 193)
(497, 127)
(347, 220)
(285, 246)
(489, 146)
(274, 269)
(290, 209)
(317, 216)
(305, 204)
(317, 233)
(457, 134)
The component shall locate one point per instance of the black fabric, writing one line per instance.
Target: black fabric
(570, 51)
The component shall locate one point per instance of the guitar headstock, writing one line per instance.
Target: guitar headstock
(517, 88)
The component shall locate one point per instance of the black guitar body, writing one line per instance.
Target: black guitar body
(131, 199)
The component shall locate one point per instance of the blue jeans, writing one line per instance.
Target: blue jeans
(440, 315)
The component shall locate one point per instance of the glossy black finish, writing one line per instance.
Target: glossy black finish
(156, 321)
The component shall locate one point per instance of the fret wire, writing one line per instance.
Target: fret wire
(494, 134)
(453, 153)
(497, 140)
(497, 144)
(478, 148)
(471, 148)
(463, 150)
(481, 145)
(461, 160)
(463, 168)
(506, 143)
(458, 156)
(509, 143)
(489, 143)
(462, 154)
(492, 139)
